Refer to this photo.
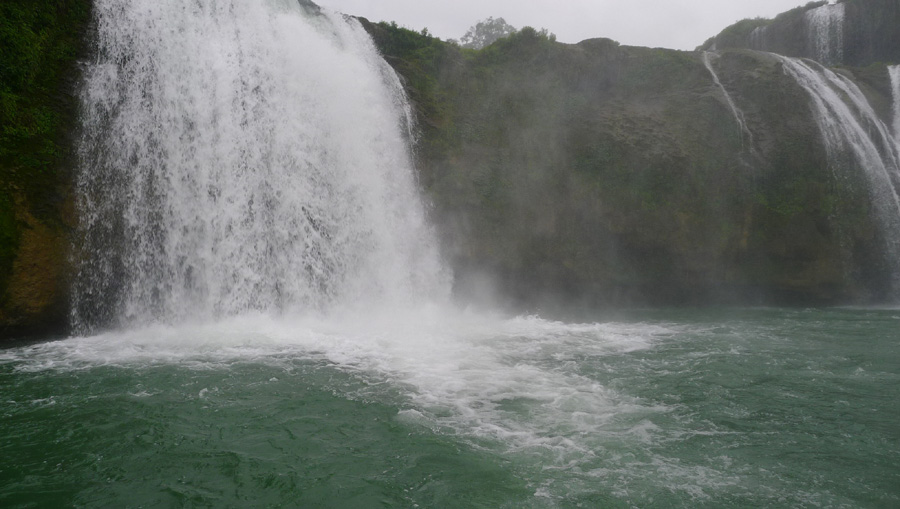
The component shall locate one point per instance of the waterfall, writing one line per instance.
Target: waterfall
(848, 123)
(735, 111)
(243, 155)
(894, 72)
(825, 32)
(758, 38)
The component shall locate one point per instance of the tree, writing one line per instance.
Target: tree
(486, 32)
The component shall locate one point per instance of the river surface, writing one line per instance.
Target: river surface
(451, 408)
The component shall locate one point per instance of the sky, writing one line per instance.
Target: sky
(677, 24)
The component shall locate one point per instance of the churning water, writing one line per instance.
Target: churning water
(752, 408)
(263, 320)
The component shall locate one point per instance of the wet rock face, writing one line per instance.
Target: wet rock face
(41, 42)
(602, 174)
(872, 32)
(35, 300)
(852, 33)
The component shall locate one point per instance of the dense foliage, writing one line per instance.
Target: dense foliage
(39, 43)
(485, 32)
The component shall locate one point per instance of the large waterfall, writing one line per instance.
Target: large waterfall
(850, 126)
(242, 156)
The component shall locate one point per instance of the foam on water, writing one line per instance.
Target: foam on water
(515, 381)
(723, 411)
(525, 386)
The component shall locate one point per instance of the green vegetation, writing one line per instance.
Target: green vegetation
(420, 60)
(9, 238)
(618, 175)
(485, 32)
(39, 43)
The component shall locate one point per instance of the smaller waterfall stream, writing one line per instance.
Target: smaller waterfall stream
(848, 123)
(825, 32)
(894, 72)
(758, 39)
(738, 114)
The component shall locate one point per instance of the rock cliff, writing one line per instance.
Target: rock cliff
(848, 32)
(605, 174)
(40, 43)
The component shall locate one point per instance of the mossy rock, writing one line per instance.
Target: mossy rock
(611, 175)
(40, 41)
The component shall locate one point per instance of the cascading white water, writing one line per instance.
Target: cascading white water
(758, 39)
(243, 155)
(825, 32)
(848, 123)
(738, 114)
(894, 72)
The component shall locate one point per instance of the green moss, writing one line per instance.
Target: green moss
(39, 43)
(9, 238)
(523, 47)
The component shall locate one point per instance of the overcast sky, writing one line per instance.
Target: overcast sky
(679, 24)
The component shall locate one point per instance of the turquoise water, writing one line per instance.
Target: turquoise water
(438, 408)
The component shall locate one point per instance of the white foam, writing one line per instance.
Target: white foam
(514, 381)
